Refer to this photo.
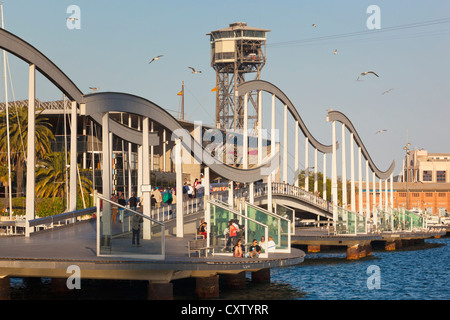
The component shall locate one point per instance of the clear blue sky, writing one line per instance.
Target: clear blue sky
(118, 38)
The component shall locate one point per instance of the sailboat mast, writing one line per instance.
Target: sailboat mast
(182, 101)
(7, 124)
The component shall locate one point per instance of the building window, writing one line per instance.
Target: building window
(427, 175)
(440, 176)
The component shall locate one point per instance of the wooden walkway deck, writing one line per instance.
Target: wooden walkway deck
(49, 254)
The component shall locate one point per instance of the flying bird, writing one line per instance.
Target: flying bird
(366, 73)
(335, 51)
(380, 131)
(93, 89)
(72, 19)
(314, 25)
(387, 91)
(194, 71)
(155, 58)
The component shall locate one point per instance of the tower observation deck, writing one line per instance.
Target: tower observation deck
(236, 51)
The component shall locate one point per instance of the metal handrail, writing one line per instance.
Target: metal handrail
(101, 198)
(61, 216)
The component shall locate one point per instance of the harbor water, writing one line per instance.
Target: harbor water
(418, 272)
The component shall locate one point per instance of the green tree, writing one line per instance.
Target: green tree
(302, 179)
(18, 134)
(51, 177)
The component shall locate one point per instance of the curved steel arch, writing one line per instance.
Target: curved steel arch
(339, 116)
(253, 85)
(102, 102)
(44, 65)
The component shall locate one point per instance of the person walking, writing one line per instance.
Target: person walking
(123, 203)
(158, 197)
(136, 228)
(133, 201)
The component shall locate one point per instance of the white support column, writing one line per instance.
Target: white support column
(146, 178)
(130, 191)
(386, 197)
(344, 169)
(260, 135)
(140, 164)
(360, 184)
(270, 177)
(140, 169)
(164, 150)
(334, 186)
(179, 185)
(73, 158)
(368, 210)
(306, 164)
(296, 156)
(206, 184)
(285, 142)
(31, 151)
(381, 194)
(392, 190)
(245, 134)
(374, 191)
(269, 193)
(230, 194)
(84, 135)
(316, 184)
(352, 173)
(106, 174)
(251, 190)
(152, 151)
(324, 182)
(374, 200)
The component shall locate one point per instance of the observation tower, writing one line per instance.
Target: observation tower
(235, 52)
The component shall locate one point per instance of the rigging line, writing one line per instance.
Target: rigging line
(200, 104)
(15, 107)
(365, 32)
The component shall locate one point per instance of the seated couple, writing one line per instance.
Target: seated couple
(253, 252)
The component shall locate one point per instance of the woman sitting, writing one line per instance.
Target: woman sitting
(238, 249)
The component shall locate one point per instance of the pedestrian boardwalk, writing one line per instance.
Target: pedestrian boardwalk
(48, 254)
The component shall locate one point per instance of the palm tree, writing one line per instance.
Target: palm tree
(51, 174)
(18, 133)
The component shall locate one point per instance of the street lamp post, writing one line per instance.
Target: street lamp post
(406, 148)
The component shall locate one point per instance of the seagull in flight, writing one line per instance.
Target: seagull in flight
(335, 51)
(194, 71)
(155, 58)
(314, 25)
(93, 89)
(387, 91)
(380, 131)
(366, 73)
